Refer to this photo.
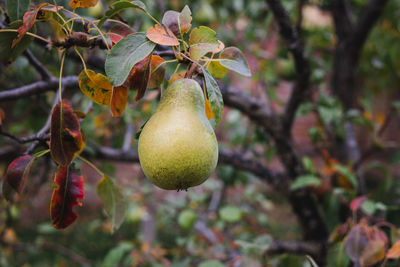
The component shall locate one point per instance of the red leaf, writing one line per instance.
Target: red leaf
(357, 202)
(65, 196)
(139, 76)
(118, 32)
(16, 175)
(65, 134)
(119, 98)
(28, 21)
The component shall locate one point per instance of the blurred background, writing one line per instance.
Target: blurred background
(231, 219)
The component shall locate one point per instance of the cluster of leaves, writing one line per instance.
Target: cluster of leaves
(130, 64)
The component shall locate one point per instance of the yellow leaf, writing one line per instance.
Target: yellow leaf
(176, 76)
(394, 251)
(96, 86)
(217, 70)
(209, 113)
(118, 100)
(82, 3)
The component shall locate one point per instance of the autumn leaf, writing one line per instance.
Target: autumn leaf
(357, 202)
(119, 99)
(176, 76)
(16, 175)
(2, 116)
(157, 71)
(96, 86)
(217, 70)
(139, 76)
(178, 23)
(65, 134)
(209, 113)
(82, 3)
(28, 21)
(118, 32)
(69, 190)
(162, 35)
(394, 251)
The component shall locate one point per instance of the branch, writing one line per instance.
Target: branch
(44, 73)
(367, 20)
(234, 159)
(37, 88)
(342, 17)
(295, 46)
(252, 107)
(295, 247)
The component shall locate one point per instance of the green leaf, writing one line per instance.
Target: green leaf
(343, 170)
(215, 96)
(17, 8)
(305, 181)
(202, 41)
(115, 255)
(125, 54)
(8, 54)
(233, 59)
(121, 5)
(230, 214)
(211, 263)
(256, 248)
(113, 200)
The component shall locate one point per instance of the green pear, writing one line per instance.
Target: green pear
(177, 147)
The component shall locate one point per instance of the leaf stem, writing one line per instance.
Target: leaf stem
(27, 33)
(60, 79)
(80, 56)
(41, 153)
(91, 165)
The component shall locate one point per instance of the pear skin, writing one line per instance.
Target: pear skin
(177, 147)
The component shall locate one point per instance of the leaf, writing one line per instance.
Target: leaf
(119, 99)
(65, 134)
(357, 202)
(113, 201)
(121, 5)
(209, 113)
(356, 242)
(348, 174)
(176, 76)
(373, 253)
(28, 21)
(233, 59)
(178, 23)
(162, 35)
(17, 8)
(311, 261)
(216, 69)
(69, 189)
(139, 76)
(215, 96)
(7, 53)
(16, 175)
(230, 214)
(157, 71)
(185, 19)
(82, 3)
(202, 41)
(96, 86)
(305, 181)
(211, 263)
(2, 116)
(394, 251)
(118, 32)
(125, 54)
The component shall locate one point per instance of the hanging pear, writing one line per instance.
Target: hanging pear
(177, 147)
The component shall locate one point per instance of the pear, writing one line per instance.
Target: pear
(177, 147)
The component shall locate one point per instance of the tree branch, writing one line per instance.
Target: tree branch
(44, 73)
(295, 46)
(294, 247)
(37, 88)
